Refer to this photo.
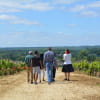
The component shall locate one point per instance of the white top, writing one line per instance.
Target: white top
(67, 59)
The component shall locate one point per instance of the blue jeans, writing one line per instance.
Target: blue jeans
(49, 68)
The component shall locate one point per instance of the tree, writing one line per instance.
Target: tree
(91, 57)
(83, 54)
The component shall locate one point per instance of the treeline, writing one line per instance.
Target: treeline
(89, 53)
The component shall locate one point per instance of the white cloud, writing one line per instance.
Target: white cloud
(10, 4)
(7, 10)
(8, 17)
(16, 20)
(25, 22)
(64, 1)
(13, 39)
(60, 33)
(94, 4)
(39, 6)
(89, 13)
(72, 25)
(19, 0)
(87, 9)
(78, 8)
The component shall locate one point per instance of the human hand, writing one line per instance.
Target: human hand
(57, 68)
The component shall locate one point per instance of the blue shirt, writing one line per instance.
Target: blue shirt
(48, 57)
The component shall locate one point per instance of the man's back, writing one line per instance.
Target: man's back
(48, 56)
(28, 60)
(35, 61)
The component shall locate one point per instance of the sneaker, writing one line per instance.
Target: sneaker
(65, 79)
(68, 79)
(31, 82)
(40, 81)
(35, 83)
(53, 80)
(49, 83)
(28, 81)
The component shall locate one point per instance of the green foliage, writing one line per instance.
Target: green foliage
(78, 52)
(83, 54)
(91, 57)
(88, 67)
(8, 67)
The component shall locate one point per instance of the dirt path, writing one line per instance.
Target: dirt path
(81, 87)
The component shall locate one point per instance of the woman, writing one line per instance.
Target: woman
(67, 67)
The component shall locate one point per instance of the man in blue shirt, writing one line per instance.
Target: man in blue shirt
(48, 62)
(28, 59)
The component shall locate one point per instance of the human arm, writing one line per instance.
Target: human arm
(31, 64)
(41, 66)
(55, 63)
(44, 59)
(63, 57)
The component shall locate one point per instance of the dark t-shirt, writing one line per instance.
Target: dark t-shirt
(35, 61)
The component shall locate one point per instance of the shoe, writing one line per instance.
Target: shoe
(53, 80)
(40, 81)
(31, 82)
(28, 81)
(43, 80)
(49, 83)
(35, 83)
(65, 79)
(68, 79)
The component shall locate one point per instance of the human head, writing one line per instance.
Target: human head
(30, 52)
(49, 48)
(36, 52)
(67, 51)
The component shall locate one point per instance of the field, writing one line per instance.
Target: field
(81, 87)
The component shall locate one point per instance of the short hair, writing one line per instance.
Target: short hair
(67, 50)
(36, 52)
(50, 48)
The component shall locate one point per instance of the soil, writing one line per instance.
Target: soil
(80, 87)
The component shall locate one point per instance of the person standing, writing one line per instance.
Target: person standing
(48, 62)
(42, 71)
(67, 67)
(35, 66)
(28, 64)
(54, 68)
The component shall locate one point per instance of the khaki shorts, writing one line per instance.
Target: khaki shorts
(36, 69)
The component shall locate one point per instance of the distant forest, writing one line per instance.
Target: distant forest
(90, 53)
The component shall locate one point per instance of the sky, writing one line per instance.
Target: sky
(40, 23)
